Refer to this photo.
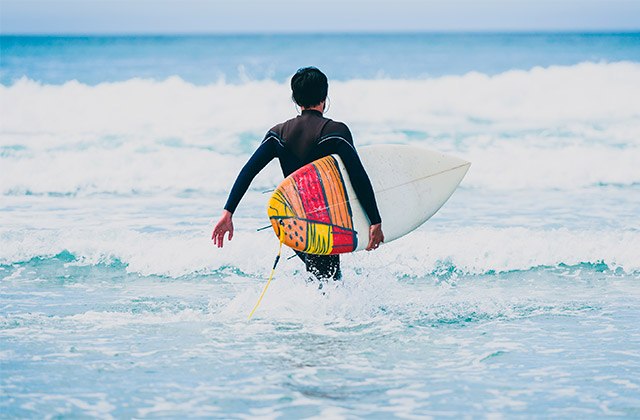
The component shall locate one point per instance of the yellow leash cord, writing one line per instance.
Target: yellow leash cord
(273, 270)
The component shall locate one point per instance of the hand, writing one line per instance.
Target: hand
(375, 236)
(224, 225)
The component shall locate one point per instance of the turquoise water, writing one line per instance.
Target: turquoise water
(519, 298)
(236, 58)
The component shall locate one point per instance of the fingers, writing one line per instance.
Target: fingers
(374, 243)
(375, 239)
(218, 237)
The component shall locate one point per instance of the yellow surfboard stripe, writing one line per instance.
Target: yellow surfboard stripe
(320, 239)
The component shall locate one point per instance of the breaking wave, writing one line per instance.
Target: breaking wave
(556, 127)
(465, 251)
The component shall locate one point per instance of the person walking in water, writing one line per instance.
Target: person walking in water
(297, 142)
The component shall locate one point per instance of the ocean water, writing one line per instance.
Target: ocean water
(519, 298)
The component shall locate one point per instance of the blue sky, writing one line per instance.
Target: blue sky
(246, 16)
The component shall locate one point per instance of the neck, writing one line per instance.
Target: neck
(319, 108)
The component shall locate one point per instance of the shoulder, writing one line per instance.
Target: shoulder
(279, 130)
(337, 129)
(275, 133)
(276, 129)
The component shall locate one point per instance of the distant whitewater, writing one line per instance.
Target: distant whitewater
(575, 125)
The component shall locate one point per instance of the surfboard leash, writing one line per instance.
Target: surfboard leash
(273, 270)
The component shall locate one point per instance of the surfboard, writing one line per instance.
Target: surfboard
(315, 209)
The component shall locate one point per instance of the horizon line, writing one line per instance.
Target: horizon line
(363, 32)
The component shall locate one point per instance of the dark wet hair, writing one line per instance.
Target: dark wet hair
(309, 87)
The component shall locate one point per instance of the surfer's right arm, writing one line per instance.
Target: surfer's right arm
(364, 190)
(341, 143)
(260, 158)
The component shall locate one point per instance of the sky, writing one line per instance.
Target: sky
(286, 16)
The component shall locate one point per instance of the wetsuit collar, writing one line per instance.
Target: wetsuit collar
(312, 112)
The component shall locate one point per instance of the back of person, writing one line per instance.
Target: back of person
(306, 138)
(297, 142)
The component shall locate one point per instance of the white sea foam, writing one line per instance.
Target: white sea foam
(471, 250)
(556, 127)
(541, 97)
(125, 170)
(504, 166)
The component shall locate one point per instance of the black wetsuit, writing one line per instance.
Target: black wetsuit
(300, 141)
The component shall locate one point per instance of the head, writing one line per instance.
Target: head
(309, 87)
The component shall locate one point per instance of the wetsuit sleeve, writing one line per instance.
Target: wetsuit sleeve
(260, 158)
(343, 147)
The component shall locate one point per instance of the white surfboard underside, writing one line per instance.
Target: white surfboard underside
(410, 184)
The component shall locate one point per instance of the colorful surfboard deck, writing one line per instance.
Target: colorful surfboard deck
(313, 208)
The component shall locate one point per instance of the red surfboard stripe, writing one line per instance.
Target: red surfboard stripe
(312, 194)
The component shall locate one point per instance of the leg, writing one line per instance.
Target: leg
(323, 267)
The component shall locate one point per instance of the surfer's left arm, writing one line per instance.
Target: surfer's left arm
(260, 158)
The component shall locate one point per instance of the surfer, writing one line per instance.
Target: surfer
(297, 142)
